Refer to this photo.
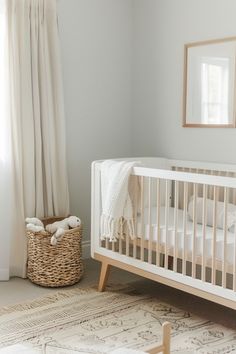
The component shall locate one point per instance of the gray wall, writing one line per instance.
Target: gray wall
(96, 58)
(161, 28)
(123, 77)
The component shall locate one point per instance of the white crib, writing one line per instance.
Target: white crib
(192, 254)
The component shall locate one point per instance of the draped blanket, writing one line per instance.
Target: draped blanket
(117, 210)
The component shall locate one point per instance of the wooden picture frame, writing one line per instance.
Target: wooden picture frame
(187, 122)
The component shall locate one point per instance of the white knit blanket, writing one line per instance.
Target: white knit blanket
(117, 210)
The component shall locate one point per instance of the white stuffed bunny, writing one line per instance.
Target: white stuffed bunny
(59, 228)
(34, 224)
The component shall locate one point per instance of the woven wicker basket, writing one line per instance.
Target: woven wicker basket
(54, 266)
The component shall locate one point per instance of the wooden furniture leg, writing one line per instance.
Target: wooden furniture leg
(165, 346)
(166, 327)
(104, 274)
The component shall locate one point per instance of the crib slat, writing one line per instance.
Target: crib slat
(149, 221)
(166, 221)
(107, 244)
(225, 228)
(176, 225)
(234, 194)
(158, 224)
(211, 188)
(135, 229)
(135, 248)
(142, 220)
(185, 226)
(204, 232)
(127, 245)
(100, 240)
(215, 194)
(120, 240)
(135, 244)
(194, 232)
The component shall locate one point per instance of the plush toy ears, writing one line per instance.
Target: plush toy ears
(74, 221)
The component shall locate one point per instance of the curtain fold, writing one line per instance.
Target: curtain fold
(36, 125)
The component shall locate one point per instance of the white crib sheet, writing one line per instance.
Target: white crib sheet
(230, 246)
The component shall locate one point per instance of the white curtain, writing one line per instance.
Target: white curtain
(5, 153)
(33, 161)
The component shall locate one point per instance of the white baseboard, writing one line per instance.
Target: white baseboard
(86, 249)
(4, 274)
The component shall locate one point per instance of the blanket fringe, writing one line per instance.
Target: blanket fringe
(115, 229)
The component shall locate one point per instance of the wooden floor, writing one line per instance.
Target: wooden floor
(19, 290)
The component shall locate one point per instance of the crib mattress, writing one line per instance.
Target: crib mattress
(151, 234)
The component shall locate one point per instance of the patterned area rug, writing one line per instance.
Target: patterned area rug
(85, 321)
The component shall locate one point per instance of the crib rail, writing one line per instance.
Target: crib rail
(220, 181)
(184, 229)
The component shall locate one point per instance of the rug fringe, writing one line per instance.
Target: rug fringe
(56, 296)
(41, 301)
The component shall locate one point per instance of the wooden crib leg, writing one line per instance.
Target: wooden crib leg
(104, 274)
